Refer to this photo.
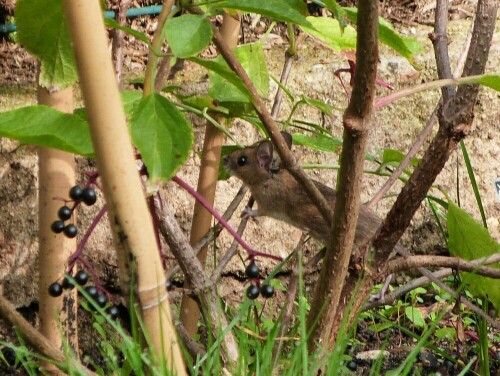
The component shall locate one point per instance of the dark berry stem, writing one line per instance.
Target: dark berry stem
(95, 278)
(76, 255)
(154, 215)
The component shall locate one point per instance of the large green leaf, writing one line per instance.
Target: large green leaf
(281, 10)
(406, 47)
(330, 32)
(394, 157)
(188, 34)
(251, 57)
(45, 126)
(337, 11)
(469, 240)
(220, 67)
(42, 30)
(318, 142)
(129, 100)
(490, 80)
(162, 135)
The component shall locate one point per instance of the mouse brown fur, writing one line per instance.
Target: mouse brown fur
(280, 196)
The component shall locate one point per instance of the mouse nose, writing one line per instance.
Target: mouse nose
(225, 159)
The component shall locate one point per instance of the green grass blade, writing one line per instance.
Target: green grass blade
(473, 182)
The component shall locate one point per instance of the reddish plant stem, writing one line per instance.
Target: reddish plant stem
(252, 252)
(154, 216)
(79, 250)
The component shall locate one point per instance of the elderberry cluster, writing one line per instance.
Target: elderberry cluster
(81, 278)
(77, 194)
(267, 291)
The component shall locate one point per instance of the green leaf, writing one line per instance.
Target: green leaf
(377, 328)
(226, 150)
(162, 135)
(415, 316)
(395, 157)
(129, 101)
(281, 10)
(469, 240)
(322, 106)
(45, 126)
(188, 34)
(319, 142)
(251, 57)
(43, 31)
(329, 31)
(490, 80)
(406, 47)
(223, 70)
(338, 12)
(237, 109)
(446, 333)
(109, 22)
(203, 103)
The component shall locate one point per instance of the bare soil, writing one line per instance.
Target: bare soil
(397, 127)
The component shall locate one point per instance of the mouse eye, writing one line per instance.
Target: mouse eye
(243, 160)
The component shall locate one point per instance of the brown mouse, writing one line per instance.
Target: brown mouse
(280, 196)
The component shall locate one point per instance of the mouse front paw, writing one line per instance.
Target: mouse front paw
(249, 213)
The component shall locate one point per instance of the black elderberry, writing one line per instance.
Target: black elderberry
(81, 277)
(448, 364)
(92, 291)
(64, 213)
(57, 226)
(89, 197)
(352, 365)
(101, 300)
(75, 193)
(70, 230)
(55, 289)
(9, 355)
(67, 284)
(113, 312)
(267, 291)
(252, 292)
(252, 270)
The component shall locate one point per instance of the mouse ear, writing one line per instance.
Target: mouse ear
(288, 139)
(264, 154)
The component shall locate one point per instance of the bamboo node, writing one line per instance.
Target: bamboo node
(152, 303)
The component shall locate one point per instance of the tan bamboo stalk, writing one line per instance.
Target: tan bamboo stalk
(56, 175)
(128, 212)
(207, 183)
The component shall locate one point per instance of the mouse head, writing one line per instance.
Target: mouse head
(255, 163)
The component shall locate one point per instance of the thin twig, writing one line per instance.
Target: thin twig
(213, 232)
(117, 44)
(476, 266)
(232, 250)
(406, 161)
(251, 252)
(439, 40)
(149, 75)
(293, 287)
